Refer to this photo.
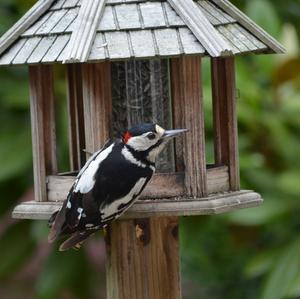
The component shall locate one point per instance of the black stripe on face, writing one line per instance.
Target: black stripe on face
(142, 155)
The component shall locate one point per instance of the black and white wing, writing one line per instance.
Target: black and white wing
(66, 220)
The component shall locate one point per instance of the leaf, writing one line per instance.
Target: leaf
(289, 182)
(264, 14)
(286, 269)
(260, 263)
(263, 214)
(294, 291)
(16, 247)
(15, 152)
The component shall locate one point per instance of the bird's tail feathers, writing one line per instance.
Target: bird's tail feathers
(56, 223)
(75, 240)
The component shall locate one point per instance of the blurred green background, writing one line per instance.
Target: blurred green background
(249, 254)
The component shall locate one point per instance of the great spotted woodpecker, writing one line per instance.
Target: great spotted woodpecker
(109, 183)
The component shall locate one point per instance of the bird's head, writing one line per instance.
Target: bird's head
(149, 139)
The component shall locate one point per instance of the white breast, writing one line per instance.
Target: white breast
(86, 181)
(112, 208)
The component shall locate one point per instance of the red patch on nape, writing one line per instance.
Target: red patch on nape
(126, 136)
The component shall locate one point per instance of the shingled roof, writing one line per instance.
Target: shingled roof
(96, 30)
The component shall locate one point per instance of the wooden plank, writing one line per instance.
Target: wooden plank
(152, 14)
(219, 16)
(42, 48)
(214, 204)
(188, 113)
(51, 22)
(258, 44)
(197, 22)
(117, 45)
(167, 42)
(76, 119)
(99, 49)
(142, 43)
(172, 16)
(225, 118)
(58, 4)
(234, 31)
(189, 42)
(43, 127)
(66, 21)
(234, 40)
(82, 39)
(70, 3)
(56, 49)
(26, 50)
(96, 82)
(128, 16)
(107, 21)
(162, 185)
(144, 262)
(32, 29)
(250, 25)
(211, 17)
(24, 23)
(9, 56)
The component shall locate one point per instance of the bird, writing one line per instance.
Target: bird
(109, 183)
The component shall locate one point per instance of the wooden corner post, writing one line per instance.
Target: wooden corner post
(76, 116)
(42, 109)
(225, 118)
(188, 113)
(142, 254)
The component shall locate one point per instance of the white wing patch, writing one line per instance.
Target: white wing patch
(86, 181)
(112, 208)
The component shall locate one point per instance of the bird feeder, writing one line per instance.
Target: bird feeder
(128, 61)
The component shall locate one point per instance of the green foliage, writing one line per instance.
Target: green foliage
(249, 254)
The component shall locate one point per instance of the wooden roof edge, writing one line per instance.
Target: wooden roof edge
(207, 35)
(82, 38)
(250, 25)
(32, 15)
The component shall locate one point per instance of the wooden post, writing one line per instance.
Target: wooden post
(43, 127)
(76, 118)
(143, 259)
(188, 113)
(97, 102)
(225, 118)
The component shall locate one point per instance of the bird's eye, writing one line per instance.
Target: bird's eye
(151, 136)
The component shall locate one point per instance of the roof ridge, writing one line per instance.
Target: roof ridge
(250, 25)
(32, 15)
(82, 38)
(203, 30)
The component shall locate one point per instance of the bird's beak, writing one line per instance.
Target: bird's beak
(173, 133)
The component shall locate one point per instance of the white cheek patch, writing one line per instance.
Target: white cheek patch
(141, 143)
(112, 208)
(86, 182)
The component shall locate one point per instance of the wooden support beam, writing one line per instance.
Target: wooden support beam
(143, 259)
(213, 204)
(188, 113)
(76, 118)
(97, 102)
(225, 118)
(43, 127)
(162, 185)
